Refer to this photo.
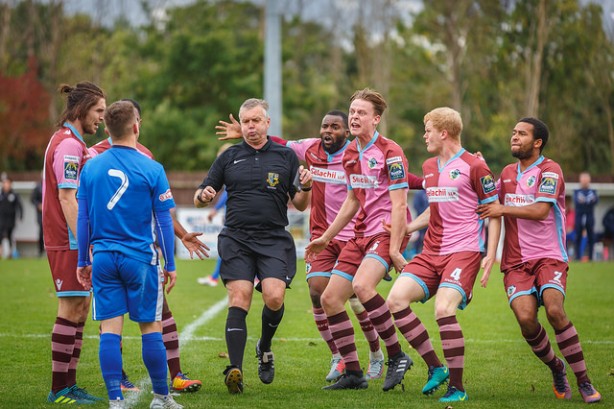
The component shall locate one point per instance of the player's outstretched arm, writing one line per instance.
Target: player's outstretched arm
(346, 213)
(228, 130)
(190, 240)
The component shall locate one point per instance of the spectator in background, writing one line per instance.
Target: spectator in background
(37, 201)
(10, 206)
(584, 200)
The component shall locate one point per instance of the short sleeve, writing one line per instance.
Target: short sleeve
(67, 160)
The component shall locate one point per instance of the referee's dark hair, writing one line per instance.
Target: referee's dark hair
(540, 130)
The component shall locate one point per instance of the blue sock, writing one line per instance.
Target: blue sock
(154, 357)
(111, 364)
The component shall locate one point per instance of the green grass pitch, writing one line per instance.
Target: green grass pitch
(500, 370)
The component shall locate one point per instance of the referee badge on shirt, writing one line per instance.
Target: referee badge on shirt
(273, 179)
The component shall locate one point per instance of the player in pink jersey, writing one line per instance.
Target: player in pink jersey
(64, 158)
(456, 182)
(534, 260)
(324, 157)
(180, 382)
(377, 179)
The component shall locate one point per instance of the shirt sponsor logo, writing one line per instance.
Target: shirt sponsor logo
(71, 167)
(323, 175)
(454, 174)
(168, 195)
(550, 175)
(273, 179)
(531, 181)
(442, 194)
(371, 163)
(548, 185)
(363, 181)
(488, 184)
(396, 169)
(518, 200)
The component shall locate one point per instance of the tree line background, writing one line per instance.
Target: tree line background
(493, 61)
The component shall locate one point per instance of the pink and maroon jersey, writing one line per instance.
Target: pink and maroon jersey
(329, 187)
(371, 173)
(533, 239)
(107, 143)
(65, 156)
(454, 191)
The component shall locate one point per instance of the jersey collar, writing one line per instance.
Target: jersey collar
(331, 156)
(74, 131)
(441, 167)
(537, 162)
(367, 146)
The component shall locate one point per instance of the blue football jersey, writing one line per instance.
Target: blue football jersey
(123, 188)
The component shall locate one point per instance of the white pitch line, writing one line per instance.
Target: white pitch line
(185, 337)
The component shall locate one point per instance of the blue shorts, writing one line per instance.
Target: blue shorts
(124, 285)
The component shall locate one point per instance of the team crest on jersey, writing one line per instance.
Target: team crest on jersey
(454, 174)
(531, 181)
(488, 184)
(273, 179)
(548, 185)
(371, 163)
(511, 290)
(308, 268)
(71, 167)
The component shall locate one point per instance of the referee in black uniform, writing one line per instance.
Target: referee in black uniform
(260, 177)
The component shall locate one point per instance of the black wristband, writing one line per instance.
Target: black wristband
(306, 189)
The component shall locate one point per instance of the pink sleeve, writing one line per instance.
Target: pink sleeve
(300, 147)
(67, 163)
(551, 182)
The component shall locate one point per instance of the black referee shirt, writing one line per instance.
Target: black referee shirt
(259, 184)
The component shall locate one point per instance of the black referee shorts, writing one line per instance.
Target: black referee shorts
(264, 254)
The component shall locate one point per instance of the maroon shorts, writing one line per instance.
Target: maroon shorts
(456, 270)
(534, 276)
(326, 260)
(63, 265)
(359, 248)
